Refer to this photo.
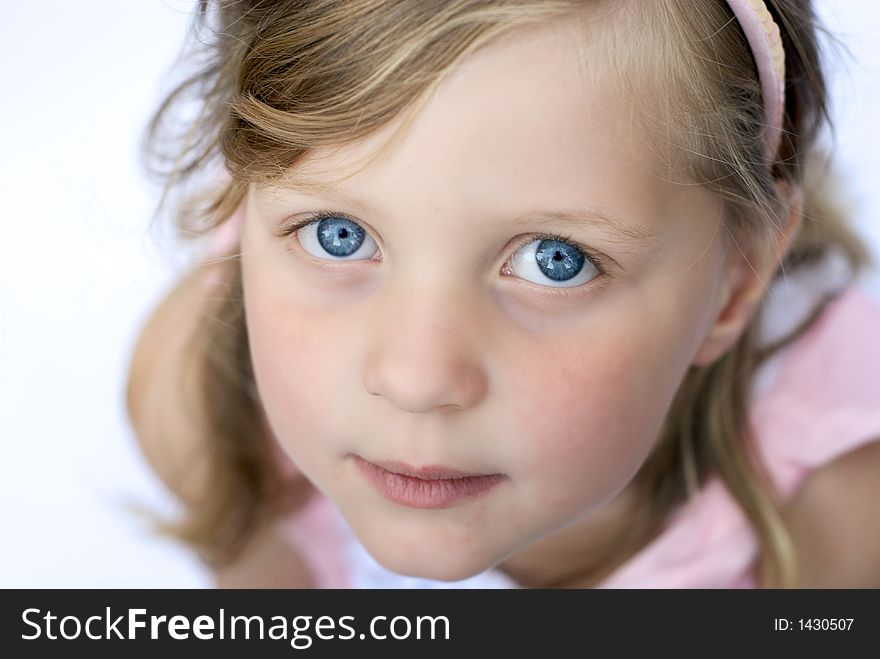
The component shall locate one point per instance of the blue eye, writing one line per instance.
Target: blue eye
(547, 260)
(337, 238)
(552, 262)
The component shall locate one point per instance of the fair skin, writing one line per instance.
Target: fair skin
(421, 349)
(434, 353)
(832, 517)
(834, 522)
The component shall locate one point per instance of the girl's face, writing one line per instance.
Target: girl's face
(428, 323)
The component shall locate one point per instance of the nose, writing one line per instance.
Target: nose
(426, 355)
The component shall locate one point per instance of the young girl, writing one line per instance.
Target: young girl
(512, 293)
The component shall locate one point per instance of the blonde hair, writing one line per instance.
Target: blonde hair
(280, 79)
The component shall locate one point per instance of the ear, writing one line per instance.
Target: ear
(746, 279)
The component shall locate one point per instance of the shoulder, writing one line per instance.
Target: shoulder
(824, 400)
(835, 521)
(818, 427)
(160, 400)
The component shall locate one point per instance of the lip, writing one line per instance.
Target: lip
(429, 487)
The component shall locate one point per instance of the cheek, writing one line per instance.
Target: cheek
(297, 377)
(587, 413)
(588, 408)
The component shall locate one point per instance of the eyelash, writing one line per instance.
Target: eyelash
(290, 227)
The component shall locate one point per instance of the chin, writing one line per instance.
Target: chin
(425, 563)
(432, 570)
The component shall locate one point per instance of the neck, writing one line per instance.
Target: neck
(579, 555)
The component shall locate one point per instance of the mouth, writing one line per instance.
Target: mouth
(429, 487)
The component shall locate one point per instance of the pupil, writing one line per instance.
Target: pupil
(558, 260)
(340, 237)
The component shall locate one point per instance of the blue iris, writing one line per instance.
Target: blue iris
(340, 237)
(559, 261)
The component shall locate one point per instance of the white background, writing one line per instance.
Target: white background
(79, 273)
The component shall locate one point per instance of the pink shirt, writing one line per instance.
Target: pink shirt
(812, 402)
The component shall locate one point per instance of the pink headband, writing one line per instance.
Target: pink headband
(763, 36)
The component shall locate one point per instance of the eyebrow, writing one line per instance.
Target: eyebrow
(592, 216)
(618, 229)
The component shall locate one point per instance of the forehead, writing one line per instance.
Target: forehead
(533, 119)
